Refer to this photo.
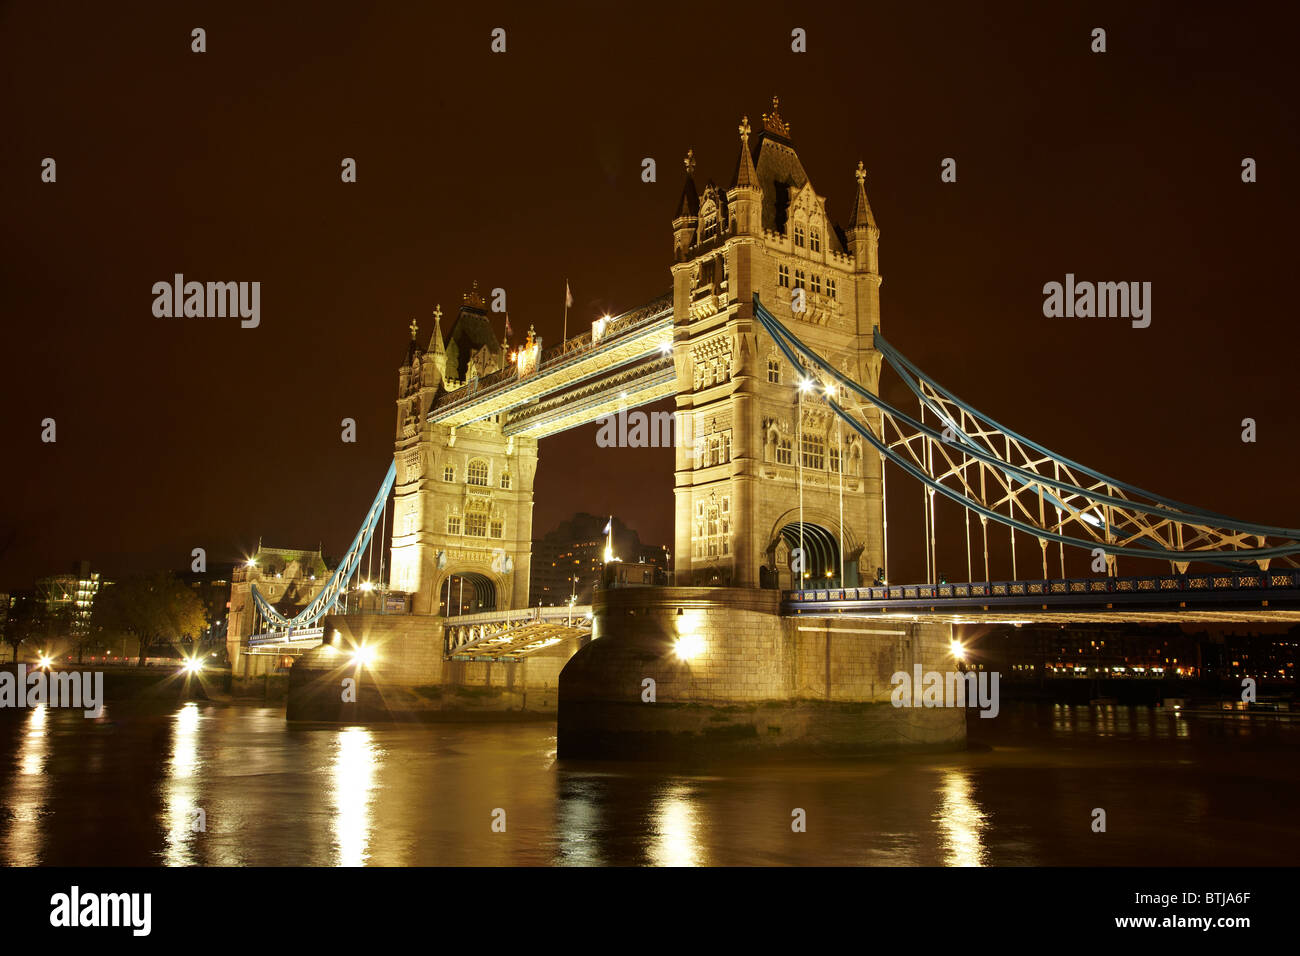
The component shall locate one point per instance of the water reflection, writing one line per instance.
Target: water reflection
(28, 793)
(356, 760)
(390, 795)
(675, 837)
(183, 818)
(961, 821)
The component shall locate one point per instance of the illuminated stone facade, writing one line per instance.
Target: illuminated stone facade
(738, 401)
(463, 496)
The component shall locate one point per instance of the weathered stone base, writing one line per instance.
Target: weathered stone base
(758, 682)
(409, 678)
(612, 731)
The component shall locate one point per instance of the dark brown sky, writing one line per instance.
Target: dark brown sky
(521, 169)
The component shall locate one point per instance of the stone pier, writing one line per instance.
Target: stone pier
(757, 682)
(410, 677)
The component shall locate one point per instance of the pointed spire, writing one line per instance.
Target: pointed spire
(746, 177)
(435, 343)
(861, 208)
(689, 205)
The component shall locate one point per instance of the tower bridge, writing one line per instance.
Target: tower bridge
(770, 342)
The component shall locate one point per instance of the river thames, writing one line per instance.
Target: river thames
(128, 788)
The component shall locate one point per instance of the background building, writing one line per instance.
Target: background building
(70, 597)
(576, 549)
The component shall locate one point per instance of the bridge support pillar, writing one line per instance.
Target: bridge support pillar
(711, 671)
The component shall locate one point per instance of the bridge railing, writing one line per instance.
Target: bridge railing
(1057, 588)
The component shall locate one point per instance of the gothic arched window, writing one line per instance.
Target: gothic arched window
(477, 473)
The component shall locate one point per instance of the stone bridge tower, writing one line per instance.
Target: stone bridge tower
(739, 402)
(463, 497)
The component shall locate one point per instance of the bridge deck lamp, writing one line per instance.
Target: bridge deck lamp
(363, 655)
(44, 662)
(958, 651)
(192, 665)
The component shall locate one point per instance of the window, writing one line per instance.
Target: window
(453, 524)
(496, 527)
(814, 451)
(726, 270)
(710, 227)
(835, 459)
(449, 473)
(476, 525)
(784, 450)
(798, 236)
(505, 479)
(830, 288)
(478, 473)
(814, 240)
(714, 525)
(774, 371)
(783, 277)
(798, 279)
(817, 283)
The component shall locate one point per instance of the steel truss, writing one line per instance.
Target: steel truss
(1002, 476)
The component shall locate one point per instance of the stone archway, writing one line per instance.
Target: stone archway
(820, 536)
(467, 592)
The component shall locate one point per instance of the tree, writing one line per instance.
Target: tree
(153, 608)
(26, 622)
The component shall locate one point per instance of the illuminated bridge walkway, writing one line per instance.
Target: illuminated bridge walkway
(1249, 597)
(624, 361)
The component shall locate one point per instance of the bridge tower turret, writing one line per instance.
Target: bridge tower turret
(745, 426)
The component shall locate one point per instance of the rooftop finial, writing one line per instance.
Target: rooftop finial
(414, 328)
(744, 130)
(690, 162)
(861, 174)
(437, 314)
(473, 298)
(773, 123)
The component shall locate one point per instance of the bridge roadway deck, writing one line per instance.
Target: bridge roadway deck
(1214, 597)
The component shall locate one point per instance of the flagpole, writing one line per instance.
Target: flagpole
(565, 337)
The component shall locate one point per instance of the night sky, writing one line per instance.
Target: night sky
(523, 169)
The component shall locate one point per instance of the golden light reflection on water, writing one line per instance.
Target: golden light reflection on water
(27, 793)
(180, 788)
(356, 759)
(675, 830)
(961, 822)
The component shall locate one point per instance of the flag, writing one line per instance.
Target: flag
(507, 328)
(568, 296)
(609, 525)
